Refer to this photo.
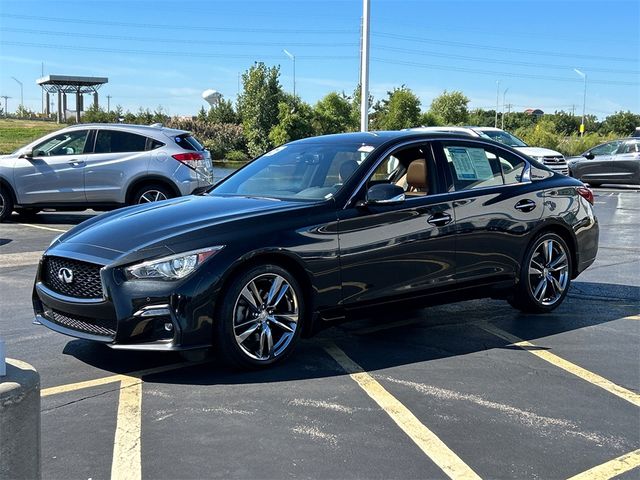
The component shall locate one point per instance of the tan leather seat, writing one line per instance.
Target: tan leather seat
(417, 178)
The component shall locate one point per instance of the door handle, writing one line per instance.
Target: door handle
(439, 219)
(525, 205)
(76, 163)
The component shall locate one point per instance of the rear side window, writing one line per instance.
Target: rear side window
(512, 167)
(115, 141)
(189, 142)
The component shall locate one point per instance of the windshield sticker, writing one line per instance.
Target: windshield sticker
(366, 148)
(274, 151)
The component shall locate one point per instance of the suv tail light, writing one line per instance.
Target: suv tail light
(585, 193)
(190, 159)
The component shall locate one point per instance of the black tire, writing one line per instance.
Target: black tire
(544, 278)
(151, 193)
(245, 319)
(6, 204)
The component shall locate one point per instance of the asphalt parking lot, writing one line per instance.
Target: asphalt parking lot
(469, 390)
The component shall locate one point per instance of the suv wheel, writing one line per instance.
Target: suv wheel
(6, 204)
(151, 193)
(545, 275)
(260, 317)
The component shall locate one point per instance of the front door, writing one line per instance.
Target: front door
(388, 251)
(55, 174)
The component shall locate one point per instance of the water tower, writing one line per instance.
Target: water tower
(211, 97)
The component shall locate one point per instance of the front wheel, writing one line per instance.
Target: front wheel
(260, 317)
(6, 204)
(545, 275)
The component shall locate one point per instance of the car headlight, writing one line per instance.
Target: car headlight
(174, 267)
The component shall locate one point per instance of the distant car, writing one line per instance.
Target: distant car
(313, 231)
(102, 166)
(636, 132)
(552, 159)
(612, 162)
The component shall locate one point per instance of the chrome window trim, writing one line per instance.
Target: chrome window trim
(526, 173)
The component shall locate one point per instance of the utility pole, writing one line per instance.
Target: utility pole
(504, 94)
(108, 103)
(5, 104)
(584, 99)
(497, 101)
(293, 58)
(364, 69)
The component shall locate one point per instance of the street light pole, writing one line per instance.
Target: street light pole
(364, 69)
(293, 59)
(504, 94)
(584, 99)
(21, 91)
(497, 101)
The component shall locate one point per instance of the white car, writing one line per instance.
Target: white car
(552, 159)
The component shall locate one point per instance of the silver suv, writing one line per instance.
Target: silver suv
(102, 166)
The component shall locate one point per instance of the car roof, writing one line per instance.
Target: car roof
(141, 129)
(377, 138)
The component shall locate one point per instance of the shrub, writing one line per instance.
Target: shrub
(575, 144)
(237, 156)
(218, 138)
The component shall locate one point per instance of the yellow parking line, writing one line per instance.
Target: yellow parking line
(612, 468)
(631, 317)
(41, 227)
(127, 457)
(424, 438)
(559, 362)
(71, 387)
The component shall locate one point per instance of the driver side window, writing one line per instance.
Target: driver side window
(67, 143)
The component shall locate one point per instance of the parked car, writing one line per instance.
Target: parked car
(612, 162)
(102, 166)
(552, 159)
(636, 132)
(314, 231)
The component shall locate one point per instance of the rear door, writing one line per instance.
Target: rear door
(55, 174)
(118, 156)
(495, 205)
(391, 251)
(625, 164)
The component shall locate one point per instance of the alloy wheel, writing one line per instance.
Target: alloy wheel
(152, 196)
(548, 272)
(265, 316)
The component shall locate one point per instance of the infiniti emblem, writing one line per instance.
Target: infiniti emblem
(65, 275)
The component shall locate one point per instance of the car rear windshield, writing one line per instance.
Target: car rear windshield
(189, 142)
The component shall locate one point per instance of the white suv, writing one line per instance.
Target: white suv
(552, 159)
(102, 166)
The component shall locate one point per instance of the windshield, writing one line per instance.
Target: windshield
(306, 171)
(503, 137)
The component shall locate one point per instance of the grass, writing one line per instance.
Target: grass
(17, 133)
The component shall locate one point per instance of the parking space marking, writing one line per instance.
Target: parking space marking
(425, 439)
(567, 366)
(20, 259)
(612, 468)
(41, 227)
(127, 456)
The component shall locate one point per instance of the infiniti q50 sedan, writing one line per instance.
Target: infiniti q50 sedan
(313, 231)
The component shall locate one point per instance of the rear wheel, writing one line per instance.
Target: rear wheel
(151, 193)
(27, 213)
(260, 317)
(6, 204)
(545, 275)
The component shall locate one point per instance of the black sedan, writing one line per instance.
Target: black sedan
(314, 231)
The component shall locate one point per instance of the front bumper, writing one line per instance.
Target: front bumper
(131, 315)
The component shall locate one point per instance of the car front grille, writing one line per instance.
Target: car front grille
(105, 328)
(556, 163)
(84, 281)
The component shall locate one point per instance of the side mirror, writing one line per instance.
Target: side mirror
(589, 156)
(385, 194)
(28, 154)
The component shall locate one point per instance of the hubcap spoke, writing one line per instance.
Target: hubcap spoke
(534, 271)
(548, 272)
(243, 336)
(274, 291)
(248, 296)
(540, 289)
(280, 324)
(560, 261)
(557, 286)
(548, 251)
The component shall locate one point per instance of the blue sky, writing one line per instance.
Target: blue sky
(167, 52)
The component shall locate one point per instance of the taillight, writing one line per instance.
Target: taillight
(190, 159)
(585, 193)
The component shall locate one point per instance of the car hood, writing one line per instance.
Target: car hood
(538, 151)
(154, 228)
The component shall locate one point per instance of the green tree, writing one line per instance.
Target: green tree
(483, 118)
(451, 108)
(222, 112)
(295, 120)
(401, 109)
(566, 123)
(333, 114)
(428, 119)
(202, 114)
(355, 106)
(542, 134)
(258, 105)
(620, 123)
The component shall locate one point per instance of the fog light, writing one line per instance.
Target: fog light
(168, 326)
